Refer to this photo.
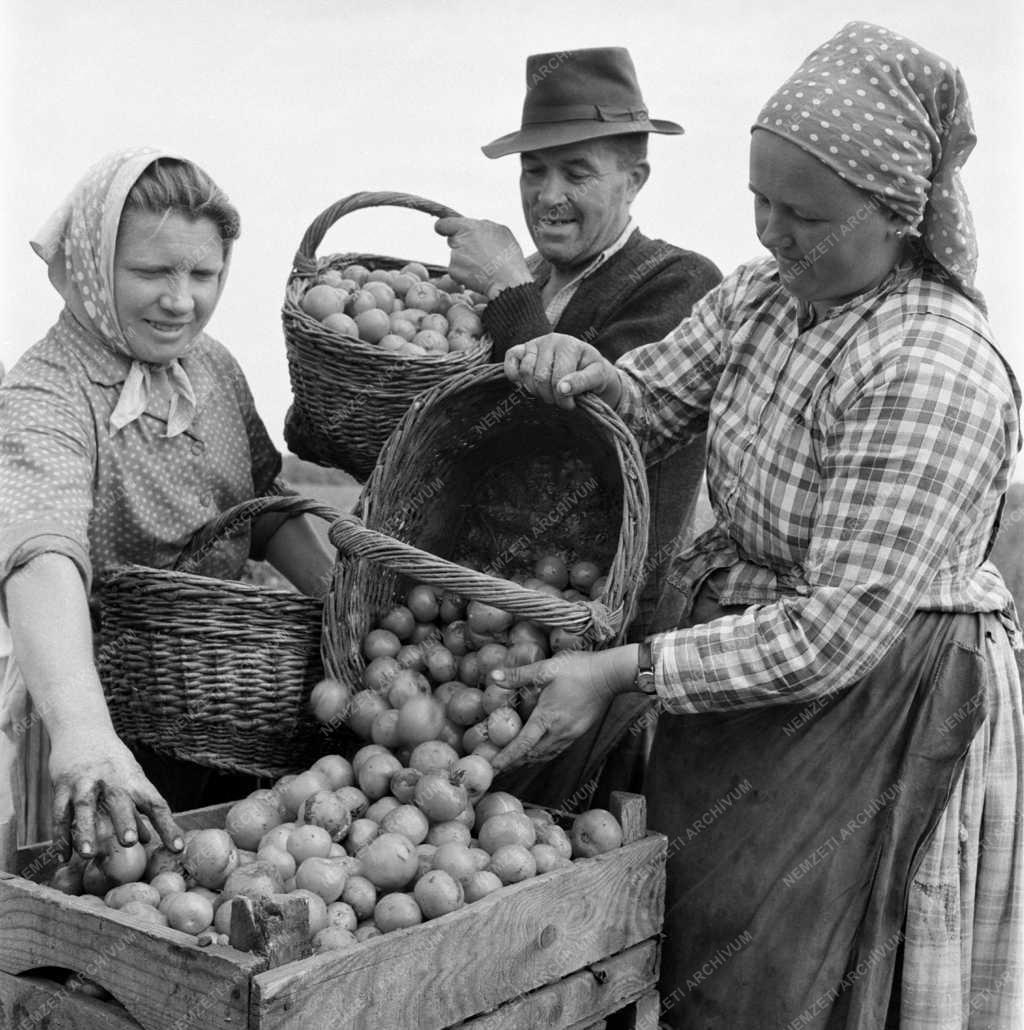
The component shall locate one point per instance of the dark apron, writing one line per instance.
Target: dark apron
(794, 832)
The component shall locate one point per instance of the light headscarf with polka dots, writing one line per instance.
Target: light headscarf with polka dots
(78, 242)
(894, 120)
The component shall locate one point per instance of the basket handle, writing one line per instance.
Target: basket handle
(591, 619)
(243, 514)
(304, 262)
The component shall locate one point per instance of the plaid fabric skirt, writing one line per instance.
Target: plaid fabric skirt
(858, 866)
(963, 957)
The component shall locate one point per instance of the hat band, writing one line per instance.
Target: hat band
(586, 113)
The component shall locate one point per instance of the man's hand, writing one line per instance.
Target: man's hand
(558, 368)
(576, 689)
(485, 255)
(96, 776)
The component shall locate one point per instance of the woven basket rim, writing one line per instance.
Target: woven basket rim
(129, 571)
(631, 541)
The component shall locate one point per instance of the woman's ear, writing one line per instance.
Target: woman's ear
(898, 228)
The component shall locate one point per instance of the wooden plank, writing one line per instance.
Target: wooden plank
(646, 1013)
(631, 811)
(31, 1003)
(471, 961)
(582, 998)
(158, 974)
(275, 928)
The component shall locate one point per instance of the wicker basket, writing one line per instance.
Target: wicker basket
(349, 395)
(473, 478)
(213, 671)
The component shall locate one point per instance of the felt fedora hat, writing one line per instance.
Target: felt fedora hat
(576, 95)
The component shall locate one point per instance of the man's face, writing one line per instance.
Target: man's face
(576, 199)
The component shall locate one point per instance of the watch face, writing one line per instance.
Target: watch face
(645, 681)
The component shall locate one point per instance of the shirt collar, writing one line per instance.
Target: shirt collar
(101, 362)
(559, 301)
(896, 277)
(106, 367)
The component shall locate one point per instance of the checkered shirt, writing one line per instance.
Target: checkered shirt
(855, 469)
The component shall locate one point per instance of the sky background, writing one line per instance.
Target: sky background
(293, 104)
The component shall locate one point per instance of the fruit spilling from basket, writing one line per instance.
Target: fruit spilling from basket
(401, 311)
(373, 845)
(428, 661)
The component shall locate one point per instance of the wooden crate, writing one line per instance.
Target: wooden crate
(562, 950)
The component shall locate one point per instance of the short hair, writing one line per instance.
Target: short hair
(630, 148)
(170, 184)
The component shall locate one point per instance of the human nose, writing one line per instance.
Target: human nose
(551, 191)
(177, 297)
(773, 229)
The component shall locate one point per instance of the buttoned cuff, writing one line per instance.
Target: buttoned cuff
(678, 673)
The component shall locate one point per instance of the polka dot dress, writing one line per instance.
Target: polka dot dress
(894, 120)
(73, 481)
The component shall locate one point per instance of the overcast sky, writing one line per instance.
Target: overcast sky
(293, 104)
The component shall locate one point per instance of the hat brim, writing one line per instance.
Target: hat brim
(557, 134)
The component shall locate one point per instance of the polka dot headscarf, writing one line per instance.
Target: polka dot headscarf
(894, 120)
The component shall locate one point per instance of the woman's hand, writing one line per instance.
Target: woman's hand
(576, 688)
(558, 368)
(92, 770)
(94, 776)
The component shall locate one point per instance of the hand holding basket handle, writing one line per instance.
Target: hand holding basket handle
(349, 394)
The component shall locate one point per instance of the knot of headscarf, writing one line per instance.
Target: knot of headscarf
(894, 120)
(78, 243)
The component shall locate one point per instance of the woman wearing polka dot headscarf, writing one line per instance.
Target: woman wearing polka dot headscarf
(839, 758)
(123, 432)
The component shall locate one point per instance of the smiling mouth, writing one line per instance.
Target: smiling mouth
(551, 222)
(166, 327)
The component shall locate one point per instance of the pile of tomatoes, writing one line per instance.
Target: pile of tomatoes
(374, 844)
(402, 312)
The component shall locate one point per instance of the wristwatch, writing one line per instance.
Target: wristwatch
(645, 669)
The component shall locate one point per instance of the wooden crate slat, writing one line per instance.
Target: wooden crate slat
(30, 1003)
(646, 1013)
(579, 998)
(156, 973)
(471, 961)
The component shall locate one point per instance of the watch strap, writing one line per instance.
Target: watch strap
(645, 668)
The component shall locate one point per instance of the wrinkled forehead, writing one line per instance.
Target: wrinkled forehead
(590, 152)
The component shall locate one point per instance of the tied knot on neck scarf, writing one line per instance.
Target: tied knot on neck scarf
(78, 243)
(894, 120)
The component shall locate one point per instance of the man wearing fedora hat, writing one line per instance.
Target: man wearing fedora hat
(583, 155)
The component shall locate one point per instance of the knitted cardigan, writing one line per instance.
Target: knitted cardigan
(637, 296)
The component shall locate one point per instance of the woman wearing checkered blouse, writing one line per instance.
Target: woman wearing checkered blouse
(838, 760)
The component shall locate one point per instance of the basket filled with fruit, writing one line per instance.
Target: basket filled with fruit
(495, 530)
(365, 334)
(209, 670)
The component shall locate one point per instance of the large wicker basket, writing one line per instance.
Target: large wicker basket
(212, 671)
(349, 395)
(479, 475)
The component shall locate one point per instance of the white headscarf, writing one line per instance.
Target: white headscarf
(78, 242)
